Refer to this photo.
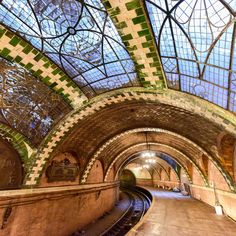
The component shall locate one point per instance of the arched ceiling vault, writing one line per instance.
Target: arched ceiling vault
(17, 49)
(183, 160)
(104, 117)
(136, 156)
(133, 56)
(159, 165)
(150, 170)
(155, 167)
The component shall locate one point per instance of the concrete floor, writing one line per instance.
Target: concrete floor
(176, 215)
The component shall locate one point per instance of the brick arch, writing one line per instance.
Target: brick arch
(16, 49)
(11, 167)
(184, 102)
(20, 143)
(134, 156)
(126, 133)
(226, 147)
(160, 148)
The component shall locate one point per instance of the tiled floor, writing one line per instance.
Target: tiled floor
(176, 215)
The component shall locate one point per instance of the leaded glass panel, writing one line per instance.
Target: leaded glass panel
(196, 42)
(79, 36)
(26, 104)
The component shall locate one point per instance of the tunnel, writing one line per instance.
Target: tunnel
(117, 117)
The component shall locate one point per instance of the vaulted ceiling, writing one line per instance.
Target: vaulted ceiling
(94, 76)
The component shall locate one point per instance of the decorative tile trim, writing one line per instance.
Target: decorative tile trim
(21, 144)
(16, 49)
(185, 101)
(110, 141)
(142, 144)
(218, 165)
(134, 28)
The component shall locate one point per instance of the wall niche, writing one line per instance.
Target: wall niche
(11, 171)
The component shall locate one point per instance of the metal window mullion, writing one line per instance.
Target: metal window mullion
(231, 65)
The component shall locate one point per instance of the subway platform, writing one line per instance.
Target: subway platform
(173, 214)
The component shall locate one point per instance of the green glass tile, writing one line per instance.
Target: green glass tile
(15, 40)
(46, 79)
(144, 25)
(9, 34)
(9, 58)
(140, 66)
(152, 49)
(149, 37)
(35, 51)
(56, 71)
(53, 85)
(18, 59)
(154, 64)
(127, 37)
(114, 11)
(28, 66)
(133, 48)
(54, 66)
(63, 78)
(106, 4)
(144, 32)
(132, 5)
(22, 64)
(38, 57)
(114, 20)
(151, 54)
(27, 49)
(47, 65)
(2, 32)
(139, 11)
(146, 83)
(141, 74)
(38, 72)
(139, 19)
(147, 44)
(23, 43)
(60, 90)
(121, 25)
(70, 83)
(5, 52)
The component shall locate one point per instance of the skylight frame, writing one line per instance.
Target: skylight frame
(109, 41)
(164, 14)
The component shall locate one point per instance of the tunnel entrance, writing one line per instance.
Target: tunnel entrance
(127, 178)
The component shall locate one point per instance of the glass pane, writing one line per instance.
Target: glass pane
(195, 46)
(27, 104)
(77, 35)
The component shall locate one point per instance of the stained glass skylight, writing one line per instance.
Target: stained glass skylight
(27, 104)
(79, 36)
(196, 42)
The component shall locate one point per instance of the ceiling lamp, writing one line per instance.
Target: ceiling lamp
(148, 153)
(151, 161)
(146, 166)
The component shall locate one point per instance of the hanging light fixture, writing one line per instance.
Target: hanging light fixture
(147, 153)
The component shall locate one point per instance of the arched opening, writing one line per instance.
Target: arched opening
(127, 178)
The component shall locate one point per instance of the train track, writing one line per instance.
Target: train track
(140, 201)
